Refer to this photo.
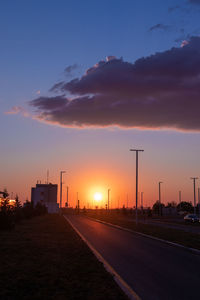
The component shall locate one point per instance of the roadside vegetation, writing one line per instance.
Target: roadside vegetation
(126, 219)
(12, 212)
(43, 258)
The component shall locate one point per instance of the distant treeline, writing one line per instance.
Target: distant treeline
(10, 214)
(157, 209)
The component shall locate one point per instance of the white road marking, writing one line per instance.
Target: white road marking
(121, 283)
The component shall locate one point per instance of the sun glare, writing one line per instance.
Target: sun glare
(97, 196)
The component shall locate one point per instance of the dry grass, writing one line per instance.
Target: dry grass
(43, 258)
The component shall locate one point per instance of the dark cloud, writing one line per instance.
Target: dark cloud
(194, 1)
(182, 38)
(159, 26)
(159, 91)
(50, 104)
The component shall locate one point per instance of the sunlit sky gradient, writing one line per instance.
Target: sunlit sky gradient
(39, 39)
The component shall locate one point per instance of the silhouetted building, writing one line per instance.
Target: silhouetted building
(45, 194)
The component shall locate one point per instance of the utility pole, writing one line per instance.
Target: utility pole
(159, 193)
(47, 176)
(179, 193)
(136, 190)
(139, 200)
(194, 183)
(108, 206)
(127, 201)
(78, 203)
(142, 193)
(61, 183)
(67, 196)
(199, 200)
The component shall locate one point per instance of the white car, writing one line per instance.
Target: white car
(191, 218)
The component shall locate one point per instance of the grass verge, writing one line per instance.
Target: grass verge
(173, 235)
(43, 258)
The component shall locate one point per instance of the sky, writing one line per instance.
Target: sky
(82, 82)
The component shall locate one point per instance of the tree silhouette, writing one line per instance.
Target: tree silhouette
(171, 204)
(157, 207)
(185, 206)
(17, 202)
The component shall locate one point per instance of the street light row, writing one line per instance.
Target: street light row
(136, 190)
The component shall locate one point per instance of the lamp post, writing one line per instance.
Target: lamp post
(179, 194)
(199, 200)
(194, 183)
(136, 190)
(61, 183)
(159, 194)
(78, 204)
(142, 197)
(108, 206)
(67, 196)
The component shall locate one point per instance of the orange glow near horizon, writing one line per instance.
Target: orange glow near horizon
(98, 179)
(88, 176)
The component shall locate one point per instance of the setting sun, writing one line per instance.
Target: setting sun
(97, 196)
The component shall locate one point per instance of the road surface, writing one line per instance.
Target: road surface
(153, 269)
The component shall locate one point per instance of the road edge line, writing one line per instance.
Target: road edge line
(120, 282)
(193, 250)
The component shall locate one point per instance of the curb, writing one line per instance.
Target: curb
(193, 250)
(120, 282)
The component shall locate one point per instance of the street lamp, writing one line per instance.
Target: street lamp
(67, 196)
(61, 172)
(194, 182)
(136, 190)
(108, 199)
(199, 200)
(159, 194)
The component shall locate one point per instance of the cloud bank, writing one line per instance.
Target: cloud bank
(159, 91)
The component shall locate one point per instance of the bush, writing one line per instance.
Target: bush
(9, 215)
(6, 220)
(185, 206)
(40, 209)
(157, 207)
(6, 215)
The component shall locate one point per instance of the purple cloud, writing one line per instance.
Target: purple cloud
(159, 91)
(49, 104)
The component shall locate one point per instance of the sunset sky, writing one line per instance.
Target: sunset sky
(82, 82)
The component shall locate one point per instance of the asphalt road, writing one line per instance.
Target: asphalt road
(153, 269)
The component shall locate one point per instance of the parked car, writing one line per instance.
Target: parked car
(189, 218)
